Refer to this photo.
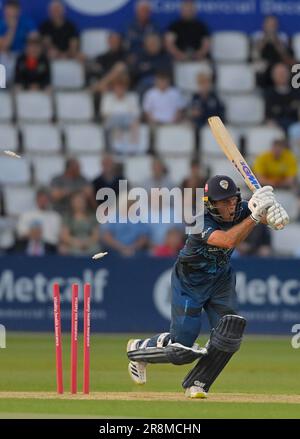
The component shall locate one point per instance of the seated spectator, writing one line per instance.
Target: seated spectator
(163, 103)
(32, 67)
(126, 238)
(63, 186)
(257, 243)
(159, 178)
(109, 177)
(282, 101)
(140, 28)
(171, 246)
(59, 34)
(205, 103)
(50, 221)
(7, 228)
(111, 65)
(34, 244)
(277, 167)
(163, 216)
(270, 46)
(120, 111)
(188, 38)
(151, 59)
(14, 28)
(80, 231)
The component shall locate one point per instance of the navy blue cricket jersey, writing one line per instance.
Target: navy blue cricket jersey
(201, 256)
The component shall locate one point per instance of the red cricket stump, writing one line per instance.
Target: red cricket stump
(58, 343)
(74, 338)
(86, 338)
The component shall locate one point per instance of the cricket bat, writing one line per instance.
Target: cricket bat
(225, 141)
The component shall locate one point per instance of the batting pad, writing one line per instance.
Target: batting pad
(224, 341)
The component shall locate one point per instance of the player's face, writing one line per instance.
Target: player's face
(227, 208)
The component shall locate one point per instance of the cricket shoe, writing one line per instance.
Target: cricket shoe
(136, 369)
(195, 392)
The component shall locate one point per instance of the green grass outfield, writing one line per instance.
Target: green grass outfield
(261, 381)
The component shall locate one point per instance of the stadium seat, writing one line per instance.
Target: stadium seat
(137, 169)
(284, 242)
(41, 138)
(94, 42)
(8, 137)
(87, 138)
(259, 139)
(230, 46)
(34, 106)
(18, 199)
(296, 45)
(235, 78)
(6, 106)
(90, 165)
(14, 171)
(178, 168)
(174, 140)
(209, 146)
(245, 110)
(222, 166)
(67, 74)
(185, 74)
(74, 106)
(45, 168)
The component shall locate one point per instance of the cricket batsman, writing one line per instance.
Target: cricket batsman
(202, 278)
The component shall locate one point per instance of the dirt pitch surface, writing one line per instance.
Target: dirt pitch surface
(155, 396)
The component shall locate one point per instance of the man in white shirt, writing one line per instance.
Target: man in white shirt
(163, 103)
(50, 220)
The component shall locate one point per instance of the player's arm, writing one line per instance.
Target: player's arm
(234, 236)
(258, 205)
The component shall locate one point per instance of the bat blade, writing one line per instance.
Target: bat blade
(226, 143)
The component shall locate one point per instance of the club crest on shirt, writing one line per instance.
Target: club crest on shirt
(205, 232)
(224, 184)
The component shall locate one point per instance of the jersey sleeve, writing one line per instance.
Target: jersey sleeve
(209, 227)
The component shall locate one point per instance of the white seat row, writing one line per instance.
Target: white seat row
(257, 140)
(247, 109)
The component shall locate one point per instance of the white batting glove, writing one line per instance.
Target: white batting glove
(259, 206)
(265, 191)
(277, 217)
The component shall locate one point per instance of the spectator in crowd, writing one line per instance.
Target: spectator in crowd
(7, 227)
(50, 220)
(125, 237)
(150, 60)
(80, 231)
(34, 244)
(59, 34)
(159, 178)
(163, 216)
(171, 246)
(14, 28)
(163, 103)
(196, 178)
(32, 67)
(109, 177)
(258, 243)
(270, 46)
(282, 101)
(140, 28)
(111, 65)
(120, 111)
(188, 38)
(205, 103)
(63, 186)
(277, 167)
